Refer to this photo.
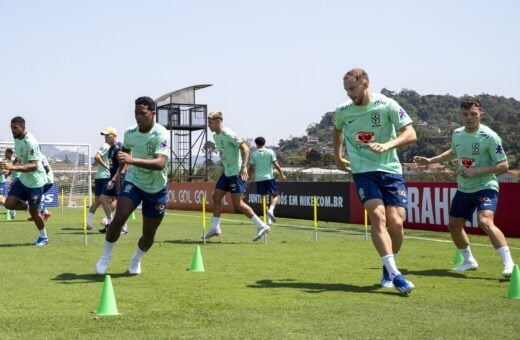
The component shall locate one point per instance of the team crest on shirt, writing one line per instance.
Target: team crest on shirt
(376, 119)
(149, 148)
(365, 137)
(467, 162)
(475, 148)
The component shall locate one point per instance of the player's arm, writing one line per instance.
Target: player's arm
(244, 150)
(337, 139)
(99, 159)
(29, 167)
(279, 169)
(406, 135)
(447, 155)
(156, 163)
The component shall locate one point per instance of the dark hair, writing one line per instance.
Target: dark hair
(468, 102)
(260, 141)
(357, 73)
(18, 120)
(9, 150)
(146, 101)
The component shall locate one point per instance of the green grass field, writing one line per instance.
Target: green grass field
(288, 288)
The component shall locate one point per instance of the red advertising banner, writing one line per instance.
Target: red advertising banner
(188, 196)
(429, 203)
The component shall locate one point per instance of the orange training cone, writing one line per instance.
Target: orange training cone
(107, 301)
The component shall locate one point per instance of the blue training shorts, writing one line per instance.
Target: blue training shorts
(3, 189)
(464, 204)
(387, 187)
(33, 196)
(232, 184)
(154, 205)
(266, 187)
(99, 185)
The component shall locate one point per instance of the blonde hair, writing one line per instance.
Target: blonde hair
(215, 115)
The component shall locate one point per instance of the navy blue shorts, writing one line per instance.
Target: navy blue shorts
(33, 196)
(99, 185)
(46, 187)
(232, 184)
(387, 187)
(3, 189)
(266, 187)
(464, 204)
(154, 205)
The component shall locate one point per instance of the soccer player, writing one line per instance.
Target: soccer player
(145, 152)
(372, 127)
(480, 157)
(48, 184)
(101, 180)
(109, 194)
(234, 154)
(9, 158)
(29, 185)
(261, 164)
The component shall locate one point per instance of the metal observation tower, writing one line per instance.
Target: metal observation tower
(187, 122)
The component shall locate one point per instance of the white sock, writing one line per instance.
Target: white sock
(505, 254)
(215, 224)
(389, 263)
(89, 218)
(43, 233)
(138, 254)
(271, 210)
(257, 221)
(107, 249)
(468, 256)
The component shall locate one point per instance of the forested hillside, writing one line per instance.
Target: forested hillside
(435, 117)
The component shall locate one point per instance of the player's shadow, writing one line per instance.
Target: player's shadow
(442, 273)
(11, 245)
(200, 242)
(317, 287)
(70, 278)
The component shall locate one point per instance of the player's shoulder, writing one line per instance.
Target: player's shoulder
(345, 106)
(487, 132)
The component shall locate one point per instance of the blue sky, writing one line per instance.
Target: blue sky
(72, 68)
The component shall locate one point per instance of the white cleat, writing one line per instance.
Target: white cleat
(135, 267)
(508, 270)
(466, 266)
(102, 265)
(213, 232)
(261, 231)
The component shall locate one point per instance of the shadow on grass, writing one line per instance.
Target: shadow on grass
(9, 245)
(70, 278)
(316, 287)
(190, 241)
(443, 273)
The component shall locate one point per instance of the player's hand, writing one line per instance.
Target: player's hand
(110, 184)
(5, 165)
(243, 174)
(124, 158)
(421, 160)
(467, 173)
(343, 164)
(377, 148)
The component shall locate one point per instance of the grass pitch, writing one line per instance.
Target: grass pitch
(290, 287)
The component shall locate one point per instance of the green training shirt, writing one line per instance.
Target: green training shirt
(228, 144)
(376, 122)
(146, 146)
(262, 159)
(478, 149)
(103, 172)
(28, 150)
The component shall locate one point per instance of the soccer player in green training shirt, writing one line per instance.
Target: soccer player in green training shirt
(27, 190)
(372, 127)
(234, 154)
(480, 157)
(145, 154)
(261, 164)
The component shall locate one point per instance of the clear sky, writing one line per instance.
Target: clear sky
(72, 67)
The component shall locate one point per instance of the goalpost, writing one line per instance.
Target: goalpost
(71, 165)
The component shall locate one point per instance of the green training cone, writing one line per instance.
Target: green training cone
(514, 285)
(196, 264)
(7, 215)
(107, 302)
(132, 216)
(458, 259)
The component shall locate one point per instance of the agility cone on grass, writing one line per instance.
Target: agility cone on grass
(514, 285)
(107, 302)
(458, 259)
(196, 264)
(132, 216)
(7, 215)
